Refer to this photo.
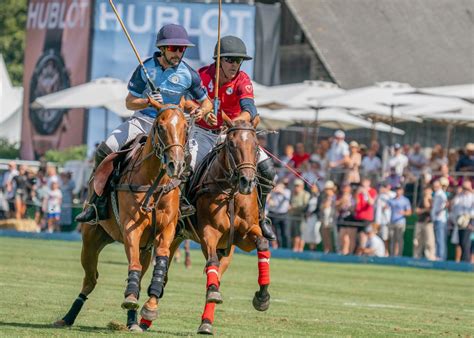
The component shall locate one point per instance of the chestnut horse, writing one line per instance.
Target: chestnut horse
(227, 215)
(148, 211)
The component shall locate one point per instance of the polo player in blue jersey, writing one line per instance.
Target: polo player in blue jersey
(173, 78)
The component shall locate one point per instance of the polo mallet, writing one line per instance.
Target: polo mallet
(148, 79)
(218, 62)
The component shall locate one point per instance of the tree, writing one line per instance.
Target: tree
(9, 150)
(68, 154)
(13, 14)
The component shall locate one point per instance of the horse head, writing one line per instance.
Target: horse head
(168, 136)
(242, 149)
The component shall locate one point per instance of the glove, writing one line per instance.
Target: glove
(155, 96)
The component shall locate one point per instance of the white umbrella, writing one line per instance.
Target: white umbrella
(295, 95)
(329, 118)
(464, 92)
(105, 92)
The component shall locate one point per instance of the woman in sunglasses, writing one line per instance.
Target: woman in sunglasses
(174, 79)
(237, 101)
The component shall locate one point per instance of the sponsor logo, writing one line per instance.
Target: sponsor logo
(174, 79)
(248, 88)
(229, 91)
(210, 86)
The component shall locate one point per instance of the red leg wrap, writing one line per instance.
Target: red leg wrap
(212, 276)
(146, 322)
(263, 267)
(209, 312)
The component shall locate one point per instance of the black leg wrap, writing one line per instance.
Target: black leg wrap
(262, 244)
(133, 283)
(131, 318)
(158, 280)
(76, 307)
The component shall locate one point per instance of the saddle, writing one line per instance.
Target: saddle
(123, 156)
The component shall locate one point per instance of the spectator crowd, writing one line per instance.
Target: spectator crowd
(357, 200)
(351, 198)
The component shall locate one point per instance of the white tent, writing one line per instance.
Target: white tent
(296, 95)
(11, 100)
(329, 118)
(106, 92)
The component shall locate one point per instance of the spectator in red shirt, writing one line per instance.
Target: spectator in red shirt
(365, 199)
(299, 156)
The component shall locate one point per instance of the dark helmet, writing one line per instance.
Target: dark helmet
(232, 46)
(173, 35)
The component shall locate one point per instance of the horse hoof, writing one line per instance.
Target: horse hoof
(205, 328)
(148, 314)
(60, 323)
(135, 328)
(261, 303)
(214, 297)
(130, 303)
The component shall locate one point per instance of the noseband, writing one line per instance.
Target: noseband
(231, 163)
(160, 147)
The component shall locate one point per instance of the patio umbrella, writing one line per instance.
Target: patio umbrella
(464, 92)
(106, 93)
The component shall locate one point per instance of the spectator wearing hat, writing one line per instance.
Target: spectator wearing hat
(298, 205)
(439, 216)
(424, 239)
(370, 243)
(466, 161)
(400, 209)
(327, 215)
(398, 160)
(462, 214)
(355, 160)
(338, 157)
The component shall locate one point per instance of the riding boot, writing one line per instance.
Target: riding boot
(185, 208)
(95, 202)
(266, 172)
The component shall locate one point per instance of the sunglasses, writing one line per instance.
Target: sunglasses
(174, 49)
(233, 59)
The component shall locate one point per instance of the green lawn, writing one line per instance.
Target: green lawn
(40, 279)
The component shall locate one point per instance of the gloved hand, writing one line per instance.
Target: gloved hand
(156, 96)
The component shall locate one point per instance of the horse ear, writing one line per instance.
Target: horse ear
(182, 102)
(256, 121)
(227, 120)
(155, 104)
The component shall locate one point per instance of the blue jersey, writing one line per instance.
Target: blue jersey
(173, 83)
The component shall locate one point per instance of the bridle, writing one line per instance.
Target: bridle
(232, 170)
(160, 147)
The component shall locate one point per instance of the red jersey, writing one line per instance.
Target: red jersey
(230, 94)
(298, 159)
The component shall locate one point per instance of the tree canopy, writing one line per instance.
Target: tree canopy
(12, 36)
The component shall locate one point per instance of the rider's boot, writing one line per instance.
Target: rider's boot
(185, 208)
(95, 202)
(267, 173)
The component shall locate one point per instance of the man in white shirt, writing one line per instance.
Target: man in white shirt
(374, 245)
(371, 166)
(416, 161)
(439, 216)
(398, 161)
(338, 156)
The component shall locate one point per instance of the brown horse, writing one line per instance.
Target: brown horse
(148, 211)
(228, 216)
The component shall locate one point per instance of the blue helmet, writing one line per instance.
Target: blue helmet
(173, 35)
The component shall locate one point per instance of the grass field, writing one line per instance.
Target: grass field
(40, 279)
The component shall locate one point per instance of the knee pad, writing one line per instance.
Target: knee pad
(267, 171)
(103, 150)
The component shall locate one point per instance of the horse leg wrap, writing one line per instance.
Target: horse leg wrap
(145, 324)
(133, 283)
(131, 317)
(76, 307)
(212, 273)
(263, 267)
(208, 314)
(158, 279)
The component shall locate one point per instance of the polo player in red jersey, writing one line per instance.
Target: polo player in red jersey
(237, 101)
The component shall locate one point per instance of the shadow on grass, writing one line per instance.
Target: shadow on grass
(50, 326)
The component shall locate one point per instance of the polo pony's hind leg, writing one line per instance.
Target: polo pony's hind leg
(261, 300)
(94, 239)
